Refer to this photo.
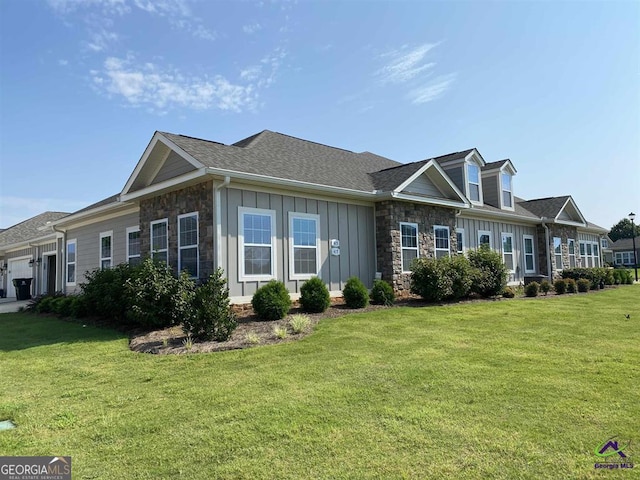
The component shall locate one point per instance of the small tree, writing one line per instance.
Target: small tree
(624, 229)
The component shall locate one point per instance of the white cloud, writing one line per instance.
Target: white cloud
(108, 7)
(405, 65)
(101, 40)
(148, 85)
(264, 73)
(250, 29)
(432, 90)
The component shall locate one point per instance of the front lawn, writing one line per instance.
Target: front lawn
(506, 389)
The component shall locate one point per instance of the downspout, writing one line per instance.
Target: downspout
(63, 263)
(217, 220)
(548, 252)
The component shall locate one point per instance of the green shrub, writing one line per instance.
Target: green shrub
(572, 287)
(508, 292)
(271, 301)
(545, 286)
(44, 304)
(458, 269)
(299, 323)
(156, 297)
(429, 279)
(314, 296)
(489, 273)
(105, 293)
(597, 276)
(560, 287)
(583, 285)
(78, 308)
(355, 293)
(531, 289)
(211, 317)
(382, 293)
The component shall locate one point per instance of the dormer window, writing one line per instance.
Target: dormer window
(473, 174)
(507, 191)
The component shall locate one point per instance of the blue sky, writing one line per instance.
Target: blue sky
(554, 86)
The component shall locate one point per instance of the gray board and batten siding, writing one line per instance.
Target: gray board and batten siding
(351, 224)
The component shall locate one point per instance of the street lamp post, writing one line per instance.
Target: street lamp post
(632, 217)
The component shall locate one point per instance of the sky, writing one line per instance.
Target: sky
(554, 86)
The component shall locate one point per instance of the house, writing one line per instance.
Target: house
(607, 253)
(275, 206)
(623, 251)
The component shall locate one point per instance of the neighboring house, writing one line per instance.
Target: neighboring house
(623, 251)
(607, 253)
(273, 206)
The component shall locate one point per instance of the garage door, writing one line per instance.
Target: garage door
(17, 269)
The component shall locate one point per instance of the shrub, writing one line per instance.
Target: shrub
(572, 287)
(314, 296)
(545, 286)
(489, 275)
(211, 316)
(156, 297)
(280, 331)
(382, 293)
(62, 306)
(299, 323)
(44, 304)
(531, 289)
(355, 293)
(429, 279)
(252, 337)
(271, 301)
(458, 269)
(560, 287)
(583, 285)
(78, 308)
(105, 292)
(508, 292)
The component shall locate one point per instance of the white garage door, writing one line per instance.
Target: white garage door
(17, 269)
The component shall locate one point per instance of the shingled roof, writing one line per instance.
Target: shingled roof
(546, 207)
(29, 229)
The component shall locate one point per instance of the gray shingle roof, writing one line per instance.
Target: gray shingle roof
(390, 178)
(101, 203)
(519, 209)
(625, 244)
(28, 230)
(545, 207)
(492, 165)
(281, 156)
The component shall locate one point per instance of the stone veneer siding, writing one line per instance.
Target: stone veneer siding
(565, 232)
(389, 214)
(196, 198)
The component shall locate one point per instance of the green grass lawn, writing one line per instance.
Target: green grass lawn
(524, 388)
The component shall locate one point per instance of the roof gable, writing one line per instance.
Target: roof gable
(559, 209)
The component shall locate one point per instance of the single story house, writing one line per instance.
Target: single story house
(623, 251)
(272, 206)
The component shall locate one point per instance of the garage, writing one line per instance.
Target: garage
(17, 269)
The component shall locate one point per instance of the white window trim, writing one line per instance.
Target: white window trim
(468, 183)
(558, 269)
(416, 248)
(485, 232)
(575, 261)
(128, 231)
(460, 248)
(110, 257)
(257, 211)
(435, 248)
(73, 241)
(533, 252)
(151, 250)
(513, 250)
(197, 245)
(303, 276)
(502, 190)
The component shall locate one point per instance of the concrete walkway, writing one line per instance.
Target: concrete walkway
(8, 305)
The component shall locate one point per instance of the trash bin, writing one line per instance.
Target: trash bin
(23, 288)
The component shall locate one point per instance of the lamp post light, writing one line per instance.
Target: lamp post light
(632, 217)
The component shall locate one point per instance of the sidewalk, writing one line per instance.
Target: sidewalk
(8, 305)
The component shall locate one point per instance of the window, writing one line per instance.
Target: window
(507, 191)
(557, 252)
(589, 255)
(257, 243)
(624, 258)
(188, 243)
(460, 240)
(71, 261)
(529, 259)
(571, 245)
(133, 245)
(605, 243)
(484, 238)
(106, 250)
(441, 240)
(596, 255)
(507, 251)
(304, 253)
(159, 240)
(409, 239)
(473, 173)
(583, 254)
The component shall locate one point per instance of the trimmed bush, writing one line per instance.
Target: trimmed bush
(545, 286)
(211, 317)
(531, 289)
(382, 293)
(271, 301)
(572, 287)
(314, 296)
(458, 269)
(560, 287)
(489, 272)
(430, 280)
(78, 307)
(105, 292)
(508, 292)
(583, 285)
(355, 293)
